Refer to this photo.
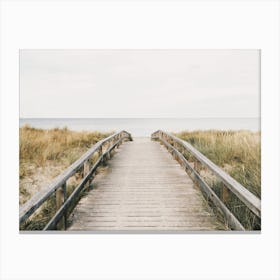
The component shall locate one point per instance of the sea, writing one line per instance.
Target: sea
(144, 127)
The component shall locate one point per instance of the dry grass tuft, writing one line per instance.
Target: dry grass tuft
(39, 146)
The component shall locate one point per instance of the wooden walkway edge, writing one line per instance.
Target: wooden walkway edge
(143, 188)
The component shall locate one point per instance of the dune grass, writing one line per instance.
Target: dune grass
(39, 146)
(44, 154)
(239, 154)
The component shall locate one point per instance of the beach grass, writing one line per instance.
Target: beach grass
(239, 154)
(39, 146)
(44, 154)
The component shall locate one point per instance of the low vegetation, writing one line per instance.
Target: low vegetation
(239, 154)
(39, 146)
(44, 154)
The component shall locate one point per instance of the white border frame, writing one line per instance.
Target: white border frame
(179, 24)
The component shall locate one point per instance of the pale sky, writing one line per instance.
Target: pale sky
(139, 83)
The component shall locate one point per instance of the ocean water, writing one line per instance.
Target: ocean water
(143, 127)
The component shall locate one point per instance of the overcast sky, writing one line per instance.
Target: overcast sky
(139, 83)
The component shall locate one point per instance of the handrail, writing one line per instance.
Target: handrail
(249, 199)
(61, 211)
(38, 199)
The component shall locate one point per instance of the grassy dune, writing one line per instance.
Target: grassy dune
(39, 148)
(44, 154)
(239, 154)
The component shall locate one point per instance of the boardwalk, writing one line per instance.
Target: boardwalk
(143, 188)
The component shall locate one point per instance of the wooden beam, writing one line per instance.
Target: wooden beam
(59, 202)
(85, 172)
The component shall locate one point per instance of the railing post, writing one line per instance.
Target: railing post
(85, 172)
(120, 138)
(108, 154)
(60, 196)
(95, 156)
(225, 194)
(64, 187)
(104, 148)
(99, 154)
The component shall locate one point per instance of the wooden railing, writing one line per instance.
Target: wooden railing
(179, 148)
(100, 152)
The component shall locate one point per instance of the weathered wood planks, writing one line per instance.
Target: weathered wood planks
(37, 200)
(143, 188)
